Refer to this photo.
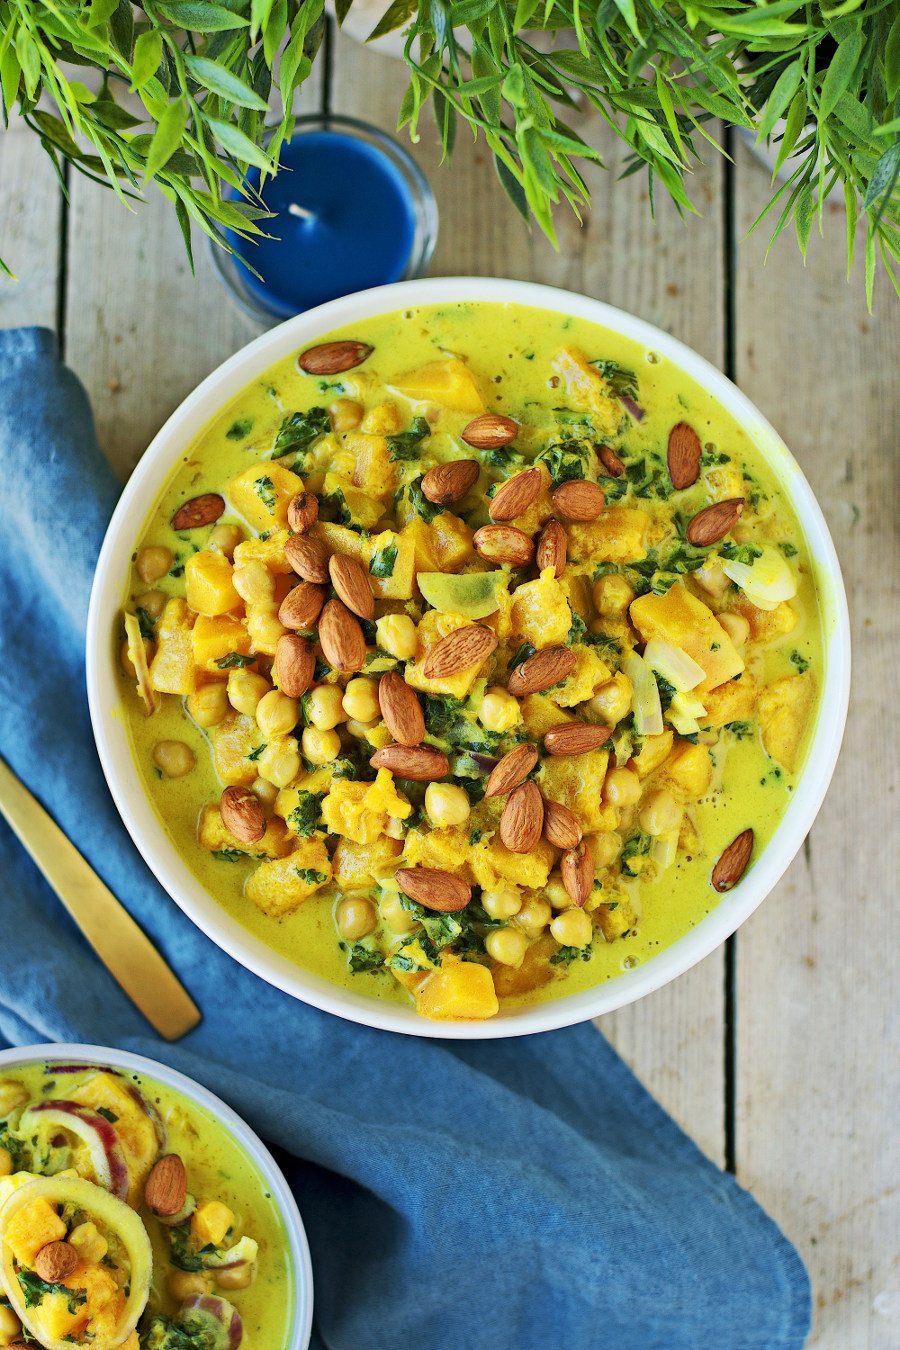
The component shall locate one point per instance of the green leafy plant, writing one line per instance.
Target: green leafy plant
(820, 82)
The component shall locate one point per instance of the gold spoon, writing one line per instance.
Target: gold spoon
(122, 946)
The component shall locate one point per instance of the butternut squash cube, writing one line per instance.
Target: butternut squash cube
(493, 864)
(364, 511)
(233, 740)
(375, 471)
(655, 750)
(213, 835)
(577, 783)
(767, 625)
(210, 1223)
(687, 771)
(356, 865)
(36, 1224)
(448, 849)
(261, 494)
(449, 383)
(588, 390)
(212, 639)
(615, 918)
(732, 701)
(395, 585)
(208, 585)
(539, 715)
(590, 672)
(784, 710)
(269, 551)
(442, 546)
(172, 670)
(461, 992)
(680, 618)
(280, 886)
(619, 535)
(540, 611)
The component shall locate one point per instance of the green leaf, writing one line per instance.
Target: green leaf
(147, 56)
(803, 214)
(101, 12)
(167, 138)
(223, 82)
(786, 86)
(794, 124)
(512, 187)
(892, 61)
(883, 181)
(238, 145)
(840, 72)
(627, 10)
(259, 15)
(197, 16)
(395, 16)
(850, 207)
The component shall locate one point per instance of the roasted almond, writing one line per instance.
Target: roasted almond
(416, 763)
(577, 870)
(308, 557)
(579, 499)
(165, 1190)
(541, 671)
(512, 770)
(683, 455)
(351, 581)
(515, 495)
(504, 544)
(523, 818)
(294, 664)
(552, 548)
(447, 483)
(610, 461)
(242, 814)
(198, 511)
(714, 522)
(433, 888)
(459, 650)
(562, 828)
(55, 1262)
(575, 738)
(302, 512)
(302, 606)
(401, 710)
(330, 358)
(490, 431)
(342, 638)
(733, 862)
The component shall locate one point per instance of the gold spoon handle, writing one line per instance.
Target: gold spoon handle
(122, 946)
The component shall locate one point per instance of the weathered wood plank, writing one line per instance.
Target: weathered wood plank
(30, 210)
(671, 275)
(818, 964)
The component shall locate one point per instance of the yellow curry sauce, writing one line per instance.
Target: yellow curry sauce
(700, 747)
(84, 1151)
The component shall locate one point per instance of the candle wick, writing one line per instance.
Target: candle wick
(296, 210)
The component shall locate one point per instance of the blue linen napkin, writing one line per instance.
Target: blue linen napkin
(511, 1194)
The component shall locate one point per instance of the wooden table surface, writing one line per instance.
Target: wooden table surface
(776, 1053)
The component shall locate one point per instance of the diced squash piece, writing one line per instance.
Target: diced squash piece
(688, 771)
(269, 551)
(385, 419)
(280, 886)
(588, 390)
(539, 715)
(578, 585)
(680, 618)
(615, 918)
(724, 481)
(493, 865)
(208, 585)
(577, 783)
(449, 383)
(360, 811)
(540, 611)
(618, 535)
(442, 546)
(433, 627)
(534, 972)
(364, 511)
(172, 670)
(460, 992)
(654, 751)
(59, 1318)
(212, 639)
(210, 1223)
(375, 471)
(732, 701)
(261, 494)
(590, 672)
(31, 1228)
(233, 740)
(784, 709)
(448, 849)
(768, 625)
(357, 865)
(214, 836)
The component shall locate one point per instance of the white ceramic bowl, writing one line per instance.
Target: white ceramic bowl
(148, 482)
(301, 1326)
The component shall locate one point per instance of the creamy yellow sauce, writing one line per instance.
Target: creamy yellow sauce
(510, 349)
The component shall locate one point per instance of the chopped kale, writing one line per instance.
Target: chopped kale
(255, 754)
(602, 640)
(566, 955)
(420, 503)
(240, 429)
(742, 553)
(614, 489)
(182, 1254)
(265, 491)
(305, 815)
(800, 661)
(228, 854)
(36, 1290)
(405, 445)
(363, 959)
(503, 457)
(620, 379)
(577, 630)
(105, 1112)
(300, 430)
(382, 564)
(788, 549)
(310, 875)
(740, 729)
(234, 661)
(177, 568)
(441, 713)
(442, 929)
(146, 623)
(525, 651)
(638, 847)
(565, 460)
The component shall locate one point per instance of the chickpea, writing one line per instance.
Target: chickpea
(736, 626)
(276, 713)
(279, 763)
(173, 758)
(502, 903)
(184, 1284)
(606, 848)
(153, 563)
(209, 704)
(245, 688)
(355, 917)
(225, 539)
(395, 915)
(361, 729)
(446, 804)
(612, 595)
(265, 792)
(361, 700)
(253, 582)
(89, 1242)
(10, 1326)
(556, 893)
(660, 813)
(622, 787)
(533, 917)
(345, 413)
(153, 602)
(612, 700)
(506, 945)
(499, 710)
(320, 747)
(325, 707)
(396, 634)
(264, 628)
(6, 1162)
(236, 1277)
(572, 928)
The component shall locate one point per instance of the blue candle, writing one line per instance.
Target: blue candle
(351, 210)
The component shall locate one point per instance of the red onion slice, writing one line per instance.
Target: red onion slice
(218, 1316)
(635, 409)
(95, 1131)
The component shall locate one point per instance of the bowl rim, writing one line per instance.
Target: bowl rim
(105, 1056)
(146, 829)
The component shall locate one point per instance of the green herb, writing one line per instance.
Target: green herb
(177, 568)
(637, 847)
(163, 1334)
(240, 429)
(620, 379)
(107, 1114)
(742, 553)
(442, 929)
(299, 430)
(420, 503)
(614, 489)
(577, 629)
(788, 549)
(182, 1254)
(146, 623)
(405, 445)
(305, 816)
(265, 491)
(607, 644)
(525, 651)
(742, 730)
(310, 875)
(363, 959)
(255, 754)
(566, 955)
(234, 661)
(565, 460)
(442, 714)
(36, 1290)
(320, 670)
(710, 459)
(503, 457)
(382, 564)
(228, 854)
(801, 662)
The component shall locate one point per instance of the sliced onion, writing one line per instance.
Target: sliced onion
(95, 1131)
(137, 655)
(485, 762)
(216, 1315)
(243, 1253)
(767, 581)
(663, 850)
(648, 719)
(149, 1110)
(116, 1217)
(685, 712)
(673, 664)
(83, 1068)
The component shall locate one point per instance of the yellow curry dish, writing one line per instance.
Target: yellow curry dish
(129, 1217)
(470, 655)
